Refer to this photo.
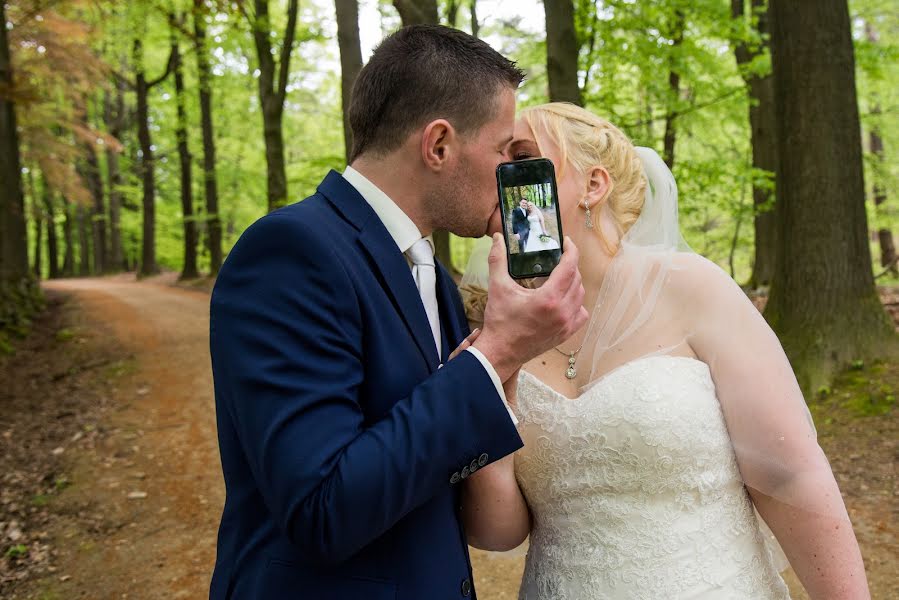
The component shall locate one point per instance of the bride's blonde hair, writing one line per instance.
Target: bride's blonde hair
(585, 141)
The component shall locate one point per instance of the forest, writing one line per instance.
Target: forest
(140, 138)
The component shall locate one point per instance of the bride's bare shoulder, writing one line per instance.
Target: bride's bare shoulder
(701, 283)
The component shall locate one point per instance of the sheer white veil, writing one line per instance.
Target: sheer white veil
(640, 313)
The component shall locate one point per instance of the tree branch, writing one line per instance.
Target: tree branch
(284, 67)
(173, 58)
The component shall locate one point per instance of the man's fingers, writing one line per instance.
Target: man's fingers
(496, 260)
(566, 273)
(466, 343)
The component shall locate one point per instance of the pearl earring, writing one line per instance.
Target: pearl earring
(589, 221)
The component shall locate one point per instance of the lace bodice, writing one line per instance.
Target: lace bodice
(635, 491)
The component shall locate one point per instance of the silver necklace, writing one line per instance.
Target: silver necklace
(571, 372)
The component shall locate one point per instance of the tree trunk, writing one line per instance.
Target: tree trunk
(452, 13)
(823, 302)
(884, 235)
(85, 266)
(475, 25)
(213, 221)
(272, 93)
(37, 216)
(13, 236)
(677, 37)
(98, 214)
(52, 243)
(113, 115)
(146, 167)
(68, 230)
(764, 145)
(184, 159)
(562, 52)
(415, 12)
(350, 61)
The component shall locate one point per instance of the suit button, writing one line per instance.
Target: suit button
(465, 472)
(482, 459)
(456, 478)
(466, 587)
(474, 466)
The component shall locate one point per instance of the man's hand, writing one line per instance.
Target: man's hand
(521, 323)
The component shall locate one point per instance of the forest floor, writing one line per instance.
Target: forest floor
(110, 483)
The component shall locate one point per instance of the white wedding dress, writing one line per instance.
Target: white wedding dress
(534, 243)
(635, 492)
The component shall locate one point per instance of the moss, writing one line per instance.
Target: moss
(869, 391)
(19, 302)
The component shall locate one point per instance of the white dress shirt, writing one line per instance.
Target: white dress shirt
(405, 233)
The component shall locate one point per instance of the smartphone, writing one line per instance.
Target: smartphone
(532, 227)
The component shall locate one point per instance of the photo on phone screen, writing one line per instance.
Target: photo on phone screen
(531, 224)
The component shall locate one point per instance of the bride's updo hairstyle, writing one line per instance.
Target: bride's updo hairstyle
(585, 141)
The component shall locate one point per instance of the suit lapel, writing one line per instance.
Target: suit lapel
(387, 260)
(453, 329)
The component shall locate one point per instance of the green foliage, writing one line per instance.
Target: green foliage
(628, 50)
(19, 303)
(17, 551)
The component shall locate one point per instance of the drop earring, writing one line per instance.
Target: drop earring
(589, 222)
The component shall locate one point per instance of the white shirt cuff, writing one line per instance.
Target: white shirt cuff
(495, 379)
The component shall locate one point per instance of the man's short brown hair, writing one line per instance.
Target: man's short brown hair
(421, 73)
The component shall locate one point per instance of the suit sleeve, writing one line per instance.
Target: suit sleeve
(286, 340)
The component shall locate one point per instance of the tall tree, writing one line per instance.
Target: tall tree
(189, 268)
(677, 39)
(350, 60)
(52, 242)
(82, 218)
(823, 302)
(37, 217)
(272, 92)
(888, 258)
(68, 232)
(143, 86)
(210, 185)
(13, 237)
(90, 172)
(475, 24)
(116, 120)
(562, 49)
(760, 84)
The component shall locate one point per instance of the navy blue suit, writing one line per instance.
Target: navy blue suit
(341, 441)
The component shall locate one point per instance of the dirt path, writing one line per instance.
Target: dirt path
(139, 516)
(156, 478)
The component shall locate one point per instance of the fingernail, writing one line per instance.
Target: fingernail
(476, 331)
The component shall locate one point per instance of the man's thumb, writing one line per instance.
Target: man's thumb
(497, 258)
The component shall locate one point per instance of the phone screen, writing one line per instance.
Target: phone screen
(529, 206)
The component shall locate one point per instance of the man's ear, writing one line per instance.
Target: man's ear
(439, 144)
(599, 182)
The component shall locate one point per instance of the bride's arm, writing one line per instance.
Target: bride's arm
(782, 465)
(494, 512)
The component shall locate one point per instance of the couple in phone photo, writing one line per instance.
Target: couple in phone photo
(529, 229)
(631, 415)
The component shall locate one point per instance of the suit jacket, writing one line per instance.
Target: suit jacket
(343, 441)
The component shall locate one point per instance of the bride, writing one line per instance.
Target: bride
(665, 438)
(538, 238)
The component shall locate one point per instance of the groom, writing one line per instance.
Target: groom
(521, 227)
(345, 427)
